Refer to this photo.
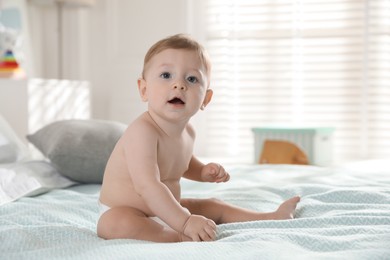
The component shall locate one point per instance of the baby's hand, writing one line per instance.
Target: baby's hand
(213, 172)
(199, 228)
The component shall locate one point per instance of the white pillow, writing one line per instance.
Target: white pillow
(29, 179)
(12, 149)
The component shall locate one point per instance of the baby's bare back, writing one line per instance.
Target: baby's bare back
(173, 155)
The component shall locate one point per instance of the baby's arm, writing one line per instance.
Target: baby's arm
(161, 201)
(141, 156)
(140, 149)
(211, 172)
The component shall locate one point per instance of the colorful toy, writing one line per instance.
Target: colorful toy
(9, 67)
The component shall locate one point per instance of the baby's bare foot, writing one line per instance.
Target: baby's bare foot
(287, 209)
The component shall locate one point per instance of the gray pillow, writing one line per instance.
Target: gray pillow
(78, 149)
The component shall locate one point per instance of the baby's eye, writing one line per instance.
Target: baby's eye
(192, 79)
(165, 75)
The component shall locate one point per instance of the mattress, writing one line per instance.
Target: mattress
(344, 214)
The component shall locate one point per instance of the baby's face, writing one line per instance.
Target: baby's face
(175, 84)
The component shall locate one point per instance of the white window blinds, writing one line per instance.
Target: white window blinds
(321, 63)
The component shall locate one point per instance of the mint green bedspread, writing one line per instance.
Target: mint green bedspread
(343, 214)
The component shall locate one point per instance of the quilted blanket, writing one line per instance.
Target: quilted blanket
(343, 214)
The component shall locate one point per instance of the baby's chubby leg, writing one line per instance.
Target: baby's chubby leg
(127, 222)
(221, 212)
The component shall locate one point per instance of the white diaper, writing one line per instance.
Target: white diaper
(103, 208)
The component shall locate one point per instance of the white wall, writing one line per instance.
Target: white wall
(121, 32)
(105, 44)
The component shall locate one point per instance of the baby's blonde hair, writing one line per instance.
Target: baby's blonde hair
(178, 41)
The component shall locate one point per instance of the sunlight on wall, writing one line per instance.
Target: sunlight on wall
(296, 64)
(52, 100)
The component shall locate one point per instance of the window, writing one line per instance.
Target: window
(321, 63)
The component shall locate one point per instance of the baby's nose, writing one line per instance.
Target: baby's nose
(180, 85)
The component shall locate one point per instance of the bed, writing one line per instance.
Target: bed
(344, 214)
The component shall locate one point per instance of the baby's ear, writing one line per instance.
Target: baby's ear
(142, 89)
(207, 98)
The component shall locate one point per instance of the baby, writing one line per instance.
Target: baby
(140, 195)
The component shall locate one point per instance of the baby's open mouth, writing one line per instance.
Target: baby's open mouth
(176, 101)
